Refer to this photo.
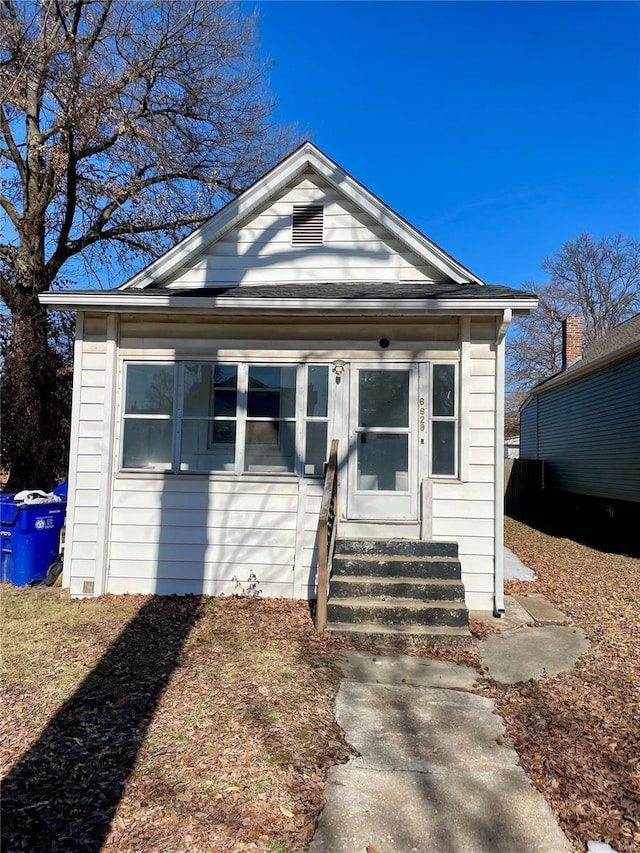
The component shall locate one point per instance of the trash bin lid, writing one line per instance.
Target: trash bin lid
(8, 510)
(61, 490)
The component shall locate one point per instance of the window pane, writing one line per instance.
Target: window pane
(317, 387)
(383, 398)
(208, 445)
(225, 382)
(198, 393)
(149, 389)
(383, 462)
(272, 392)
(270, 446)
(210, 390)
(444, 390)
(147, 443)
(316, 448)
(443, 450)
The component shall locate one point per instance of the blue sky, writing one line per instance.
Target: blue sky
(499, 129)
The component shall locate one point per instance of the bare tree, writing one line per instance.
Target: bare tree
(123, 126)
(598, 280)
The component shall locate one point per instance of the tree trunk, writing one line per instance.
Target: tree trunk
(36, 397)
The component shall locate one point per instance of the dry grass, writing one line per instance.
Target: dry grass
(578, 734)
(163, 724)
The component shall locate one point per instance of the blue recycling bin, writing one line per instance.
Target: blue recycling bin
(30, 537)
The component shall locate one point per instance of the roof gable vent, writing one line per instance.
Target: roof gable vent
(307, 223)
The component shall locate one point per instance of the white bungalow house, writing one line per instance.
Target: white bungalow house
(208, 388)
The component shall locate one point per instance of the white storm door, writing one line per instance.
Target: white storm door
(383, 471)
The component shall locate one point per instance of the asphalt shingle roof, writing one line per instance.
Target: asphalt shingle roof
(350, 290)
(618, 337)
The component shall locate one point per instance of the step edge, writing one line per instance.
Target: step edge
(411, 603)
(379, 628)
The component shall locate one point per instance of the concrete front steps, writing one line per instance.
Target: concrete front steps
(397, 592)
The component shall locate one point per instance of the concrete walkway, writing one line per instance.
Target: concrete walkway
(433, 772)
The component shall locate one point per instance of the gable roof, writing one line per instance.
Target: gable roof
(619, 343)
(304, 157)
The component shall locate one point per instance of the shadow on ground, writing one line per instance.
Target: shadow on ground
(588, 529)
(63, 793)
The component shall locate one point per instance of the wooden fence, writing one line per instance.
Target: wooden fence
(524, 483)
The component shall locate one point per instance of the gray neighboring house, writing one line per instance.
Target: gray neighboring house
(584, 422)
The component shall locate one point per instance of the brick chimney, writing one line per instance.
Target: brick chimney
(571, 340)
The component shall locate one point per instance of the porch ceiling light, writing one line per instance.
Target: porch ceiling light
(338, 367)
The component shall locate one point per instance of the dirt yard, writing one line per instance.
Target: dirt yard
(163, 724)
(578, 734)
(184, 724)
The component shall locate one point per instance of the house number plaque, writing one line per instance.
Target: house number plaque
(421, 413)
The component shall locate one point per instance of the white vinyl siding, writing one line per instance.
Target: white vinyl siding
(181, 534)
(261, 251)
(464, 511)
(88, 466)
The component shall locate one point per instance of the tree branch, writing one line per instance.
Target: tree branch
(14, 151)
(11, 211)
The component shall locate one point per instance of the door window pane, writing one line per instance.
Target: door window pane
(383, 462)
(147, 443)
(272, 392)
(443, 447)
(316, 448)
(317, 391)
(444, 390)
(149, 389)
(270, 446)
(383, 398)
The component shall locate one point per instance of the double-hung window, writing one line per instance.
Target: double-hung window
(444, 420)
(205, 416)
(148, 423)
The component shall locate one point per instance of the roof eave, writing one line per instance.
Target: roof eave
(580, 370)
(141, 302)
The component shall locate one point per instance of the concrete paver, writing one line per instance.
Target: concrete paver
(540, 609)
(514, 616)
(444, 812)
(405, 669)
(532, 652)
(433, 774)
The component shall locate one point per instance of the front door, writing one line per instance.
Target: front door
(383, 474)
